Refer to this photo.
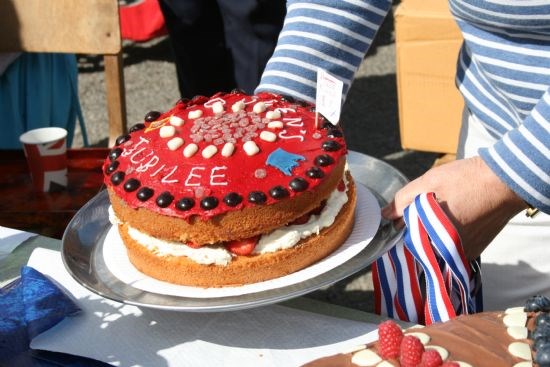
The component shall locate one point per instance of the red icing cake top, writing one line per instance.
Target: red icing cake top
(211, 155)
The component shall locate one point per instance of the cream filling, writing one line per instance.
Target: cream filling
(280, 239)
(205, 255)
(288, 236)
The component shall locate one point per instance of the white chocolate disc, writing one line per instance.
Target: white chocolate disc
(366, 357)
(520, 350)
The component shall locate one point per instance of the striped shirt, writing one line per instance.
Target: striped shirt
(503, 72)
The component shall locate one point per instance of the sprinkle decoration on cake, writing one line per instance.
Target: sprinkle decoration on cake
(518, 337)
(197, 190)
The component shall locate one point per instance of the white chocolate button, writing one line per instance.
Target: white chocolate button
(515, 319)
(259, 107)
(195, 114)
(268, 136)
(510, 310)
(167, 131)
(275, 125)
(209, 151)
(524, 364)
(217, 108)
(384, 364)
(442, 351)
(354, 349)
(228, 149)
(520, 350)
(260, 173)
(423, 337)
(272, 115)
(176, 121)
(238, 106)
(174, 143)
(250, 148)
(463, 364)
(190, 150)
(366, 357)
(517, 332)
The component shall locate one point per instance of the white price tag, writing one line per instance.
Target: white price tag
(328, 98)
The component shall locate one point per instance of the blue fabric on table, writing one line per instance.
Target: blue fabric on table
(39, 90)
(29, 306)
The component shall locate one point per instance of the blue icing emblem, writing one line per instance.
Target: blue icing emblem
(283, 160)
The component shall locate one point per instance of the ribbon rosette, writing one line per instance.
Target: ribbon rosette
(426, 278)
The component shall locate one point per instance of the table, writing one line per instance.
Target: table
(47, 213)
(10, 266)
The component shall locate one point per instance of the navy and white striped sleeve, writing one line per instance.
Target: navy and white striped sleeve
(522, 157)
(504, 75)
(327, 34)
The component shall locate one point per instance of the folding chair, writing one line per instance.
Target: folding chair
(71, 26)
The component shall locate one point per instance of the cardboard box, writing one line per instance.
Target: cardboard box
(427, 45)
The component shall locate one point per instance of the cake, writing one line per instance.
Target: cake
(230, 189)
(517, 337)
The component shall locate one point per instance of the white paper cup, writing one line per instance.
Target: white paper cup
(46, 152)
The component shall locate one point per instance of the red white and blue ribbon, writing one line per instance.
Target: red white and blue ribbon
(426, 278)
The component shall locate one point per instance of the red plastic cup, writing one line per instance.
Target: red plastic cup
(46, 152)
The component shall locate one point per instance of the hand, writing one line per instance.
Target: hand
(477, 202)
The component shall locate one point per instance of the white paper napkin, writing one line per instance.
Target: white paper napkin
(10, 239)
(125, 335)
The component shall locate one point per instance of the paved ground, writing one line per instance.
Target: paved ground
(369, 118)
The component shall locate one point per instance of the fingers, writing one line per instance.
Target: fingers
(403, 198)
(389, 212)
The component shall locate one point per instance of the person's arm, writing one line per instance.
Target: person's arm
(476, 200)
(333, 35)
(521, 159)
(482, 194)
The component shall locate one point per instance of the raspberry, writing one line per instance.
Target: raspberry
(430, 358)
(389, 339)
(450, 364)
(411, 351)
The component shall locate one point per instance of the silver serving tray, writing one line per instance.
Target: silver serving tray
(82, 246)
